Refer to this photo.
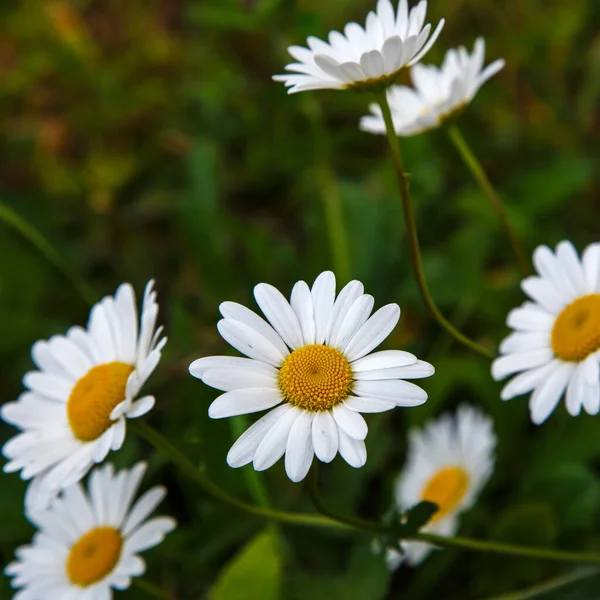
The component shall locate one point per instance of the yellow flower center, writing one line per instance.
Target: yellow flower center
(94, 397)
(315, 377)
(576, 331)
(446, 488)
(94, 555)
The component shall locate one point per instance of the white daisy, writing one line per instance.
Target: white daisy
(312, 362)
(449, 461)
(437, 95)
(75, 408)
(556, 343)
(87, 544)
(365, 59)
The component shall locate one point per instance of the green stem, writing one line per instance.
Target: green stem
(175, 455)
(508, 549)
(354, 522)
(413, 238)
(34, 237)
(330, 192)
(488, 189)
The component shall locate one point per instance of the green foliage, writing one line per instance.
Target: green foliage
(146, 139)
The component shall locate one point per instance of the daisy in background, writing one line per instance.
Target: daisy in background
(87, 544)
(85, 387)
(555, 348)
(438, 93)
(312, 365)
(449, 461)
(363, 59)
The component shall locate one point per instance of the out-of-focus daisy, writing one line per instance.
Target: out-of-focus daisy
(313, 362)
(85, 387)
(449, 462)
(555, 347)
(438, 93)
(363, 59)
(87, 544)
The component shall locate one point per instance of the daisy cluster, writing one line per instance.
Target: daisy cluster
(310, 362)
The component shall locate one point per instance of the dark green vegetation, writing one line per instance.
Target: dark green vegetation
(146, 139)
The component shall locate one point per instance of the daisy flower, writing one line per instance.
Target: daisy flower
(555, 348)
(364, 59)
(87, 544)
(312, 365)
(449, 462)
(85, 387)
(438, 93)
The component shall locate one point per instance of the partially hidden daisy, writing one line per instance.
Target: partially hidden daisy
(85, 388)
(449, 461)
(88, 543)
(366, 58)
(438, 93)
(312, 365)
(555, 348)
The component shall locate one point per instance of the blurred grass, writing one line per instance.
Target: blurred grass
(146, 139)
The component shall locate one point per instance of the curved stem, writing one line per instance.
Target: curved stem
(32, 235)
(354, 522)
(186, 466)
(508, 549)
(329, 192)
(488, 189)
(413, 238)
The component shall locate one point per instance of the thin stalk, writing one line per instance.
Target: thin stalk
(413, 237)
(354, 522)
(34, 237)
(164, 446)
(488, 189)
(329, 192)
(508, 549)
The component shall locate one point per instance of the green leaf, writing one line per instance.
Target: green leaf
(413, 519)
(255, 572)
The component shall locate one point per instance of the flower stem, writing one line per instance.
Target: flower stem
(329, 192)
(413, 238)
(508, 549)
(33, 236)
(488, 189)
(164, 446)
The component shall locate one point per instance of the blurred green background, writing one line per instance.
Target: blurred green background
(146, 139)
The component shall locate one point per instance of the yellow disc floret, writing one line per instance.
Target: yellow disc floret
(576, 331)
(94, 397)
(94, 555)
(315, 377)
(446, 489)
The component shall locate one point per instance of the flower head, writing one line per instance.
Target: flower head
(449, 461)
(365, 59)
(555, 347)
(438, 93)
(87, 544)
(313, 365)
(85, 387)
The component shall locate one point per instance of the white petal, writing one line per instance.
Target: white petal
(527, 381)
(279, 313)
(299, 451)
(591, 267)
(141, 407)
(235, 379)
(545, 398)
(143, 508)
(513, 363)
(354, 452)
(351, 422)
(401, 393)
(323, 296)
(244, 449)
(324, 436)
(384, 359)
(150, 534)
(345, 299)
(368, 405)
(241, 402)
(354, 319)
(274, 443)
(249, 342)
(373, 332)
(201, 365)
(543, 292)
(302, 305)
(530, 318)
